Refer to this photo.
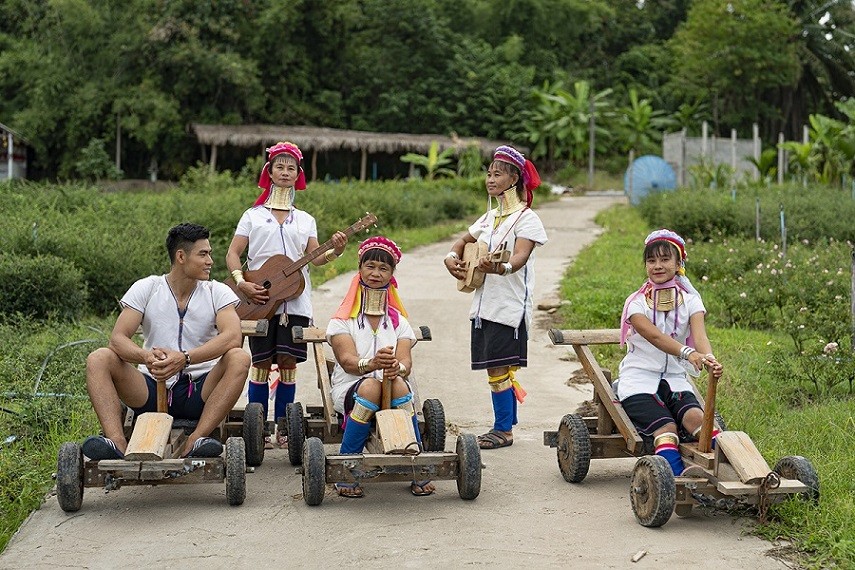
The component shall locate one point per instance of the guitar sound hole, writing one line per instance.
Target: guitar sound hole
(266, 284)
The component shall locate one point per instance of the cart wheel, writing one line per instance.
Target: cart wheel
(314, 471)
(433, 438)
(574, 448)
(469, 467)
(652, 491)
(799, 468)
(296, 432)
(69, 477)
(235, 470)
(683, 510)
(253, 433)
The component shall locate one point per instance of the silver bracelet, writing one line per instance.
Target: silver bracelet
(507, 269)
(685, 352)
(452, 255)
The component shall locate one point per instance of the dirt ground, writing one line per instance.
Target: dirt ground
(526, 514)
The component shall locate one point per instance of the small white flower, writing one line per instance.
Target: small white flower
(801, 327)
(803, 310)
(770, 290)
(830, 348)
(774, 272)
(705, 278)
(743, 295)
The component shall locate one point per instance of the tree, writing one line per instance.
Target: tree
(435, 163)
(736, 51)
(640, 126)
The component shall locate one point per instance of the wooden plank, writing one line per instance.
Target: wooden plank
(610, 446)
(736, 488)
(367, 461)
(325, 387)
(604, 389)
(150, 437)
(736, 448)
(317, 334)
(591, 336)
(394, 431)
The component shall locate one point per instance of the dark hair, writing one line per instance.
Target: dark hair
(183, 236)
(661, 247)
(377, 254)
(285, 156)
(511, 169)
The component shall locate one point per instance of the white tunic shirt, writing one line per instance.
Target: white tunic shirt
(268, 238)
(164, 327)
(367, 342)
(645, 365)
(506, 299)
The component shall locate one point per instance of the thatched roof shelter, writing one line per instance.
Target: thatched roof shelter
(320, 139)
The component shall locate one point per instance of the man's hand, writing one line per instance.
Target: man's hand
(256, 293)
(164, 363)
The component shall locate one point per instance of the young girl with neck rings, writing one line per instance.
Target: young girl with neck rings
(662, 325)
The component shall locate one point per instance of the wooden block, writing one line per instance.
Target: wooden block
(736, 448)
(150, 437)
(395, 430)
(787, 486)
(254, 328)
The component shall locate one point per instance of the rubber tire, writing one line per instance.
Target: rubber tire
(253, 433)
(469, 467)
(801, 469)
(433, 438)
(235, 471)
(314, 471)
(574, 448)
(69, 477)
(652, 491)
(296, 432)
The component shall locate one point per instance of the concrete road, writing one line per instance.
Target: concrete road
(525, 516)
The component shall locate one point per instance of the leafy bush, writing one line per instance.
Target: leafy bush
(41, 286)
(814, 213)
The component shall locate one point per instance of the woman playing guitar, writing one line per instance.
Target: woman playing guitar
(274, 226)
(502, 307)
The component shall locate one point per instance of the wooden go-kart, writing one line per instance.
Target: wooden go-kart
(323, 421)
(392, 453)
(155, 441)
(733, 473)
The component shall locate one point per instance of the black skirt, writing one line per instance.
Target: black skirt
(495, 345)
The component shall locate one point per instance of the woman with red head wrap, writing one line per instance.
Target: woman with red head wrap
(275, 226)
(372, 341)
(502, 308)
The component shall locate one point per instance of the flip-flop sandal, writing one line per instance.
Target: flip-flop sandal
(417, 488)
(349, 490)
(268, 443)
(98, 447)
(282, 441)
(206, 447)
(494, 440)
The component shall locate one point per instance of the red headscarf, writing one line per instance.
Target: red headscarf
(264, 182)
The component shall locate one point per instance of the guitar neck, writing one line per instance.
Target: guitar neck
(326, 246)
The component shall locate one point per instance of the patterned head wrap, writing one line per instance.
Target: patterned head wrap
(264, 181)
(380, 242)
(351, 305)
(530, 176)
(672, 238)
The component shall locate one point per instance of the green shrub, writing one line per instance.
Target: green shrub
(41, 286)
(810, 213)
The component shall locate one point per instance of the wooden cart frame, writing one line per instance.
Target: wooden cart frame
(159, 461)
(734, 471)
(390, 455)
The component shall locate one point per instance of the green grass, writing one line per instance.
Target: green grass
(822, 430)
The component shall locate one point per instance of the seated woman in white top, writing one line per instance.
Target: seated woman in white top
(372, 341)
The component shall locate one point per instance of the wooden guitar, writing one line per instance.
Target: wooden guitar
(283, 277)
(473, 253)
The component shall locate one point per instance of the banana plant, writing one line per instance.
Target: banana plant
(435, 163)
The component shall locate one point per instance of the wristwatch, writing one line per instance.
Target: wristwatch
(186, 358)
